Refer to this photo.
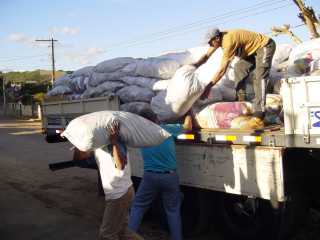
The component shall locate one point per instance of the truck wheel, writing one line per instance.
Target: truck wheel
(252, 218)
(54, 139)
(50, 138)
(242, 217)
(195, 211)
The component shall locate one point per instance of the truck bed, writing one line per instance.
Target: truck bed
(269, 136)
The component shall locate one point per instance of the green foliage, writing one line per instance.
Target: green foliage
(39, 97)
(22, 77)
(37, 76)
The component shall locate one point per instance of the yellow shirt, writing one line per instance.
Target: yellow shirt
(248, 41)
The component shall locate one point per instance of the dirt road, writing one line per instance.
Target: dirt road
(36, 203)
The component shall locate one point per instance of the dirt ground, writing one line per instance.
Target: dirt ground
(36, 203)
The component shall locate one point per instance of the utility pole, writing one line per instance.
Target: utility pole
(4, 95)
(53, 77)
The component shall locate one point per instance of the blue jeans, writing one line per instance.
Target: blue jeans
(167, 186)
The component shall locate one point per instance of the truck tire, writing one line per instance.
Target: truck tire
(54, 138)
(50, 138)
(196, 211)
(252, 218)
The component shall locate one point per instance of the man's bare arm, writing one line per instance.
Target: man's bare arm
(119, 159)
(188, 122)
(219, 74)
(205, 57)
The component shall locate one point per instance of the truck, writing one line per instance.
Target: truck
(254, 184)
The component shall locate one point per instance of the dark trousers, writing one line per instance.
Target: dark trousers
(152, 184)
(259, 64)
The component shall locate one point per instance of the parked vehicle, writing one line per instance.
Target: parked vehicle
(260, 184)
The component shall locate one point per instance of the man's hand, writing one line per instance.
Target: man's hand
(113, 130)
(188, 121)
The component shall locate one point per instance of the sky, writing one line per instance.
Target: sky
(91, 31)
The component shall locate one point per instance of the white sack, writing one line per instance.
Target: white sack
(108, 86)
(85, 71)
(302, 56)
(79, 84)
(64, 80)
(99, 78)
(183, 90)
(59, 90)
(206, 71)
(182, 58)
(160, 85)
(161, 108)
(281, 54)
(152, 67)
(88, 132)
(185, 87)
(113, 65)
(198, 52)
(139, 81)
(135, 94)
(135, 107)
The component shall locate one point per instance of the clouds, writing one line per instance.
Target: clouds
(84, 57)
(72, 31)
(22, 38)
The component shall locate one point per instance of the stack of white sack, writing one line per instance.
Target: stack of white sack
(134, 80)
(88, 132)
(141, 82)
(305, 59)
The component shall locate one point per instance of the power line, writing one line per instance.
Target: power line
(194, 29)
(22, 59)
(203, 21)
(31, 65)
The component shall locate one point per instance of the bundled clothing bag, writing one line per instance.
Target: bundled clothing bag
(220, 115)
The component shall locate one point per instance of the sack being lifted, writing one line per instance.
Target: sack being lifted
(88, 132)
(184, 89)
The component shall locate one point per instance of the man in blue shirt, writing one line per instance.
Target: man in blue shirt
(160, 178)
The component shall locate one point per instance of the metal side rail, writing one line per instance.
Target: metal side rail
(268, 136)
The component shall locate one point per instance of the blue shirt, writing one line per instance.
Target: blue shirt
(163, 156)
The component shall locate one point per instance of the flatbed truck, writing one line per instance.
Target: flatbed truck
(256, 183)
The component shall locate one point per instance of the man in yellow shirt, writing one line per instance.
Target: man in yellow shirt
(256, 52)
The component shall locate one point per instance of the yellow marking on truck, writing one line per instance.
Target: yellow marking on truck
(186, 136)
(229, 138)
(251, 138)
